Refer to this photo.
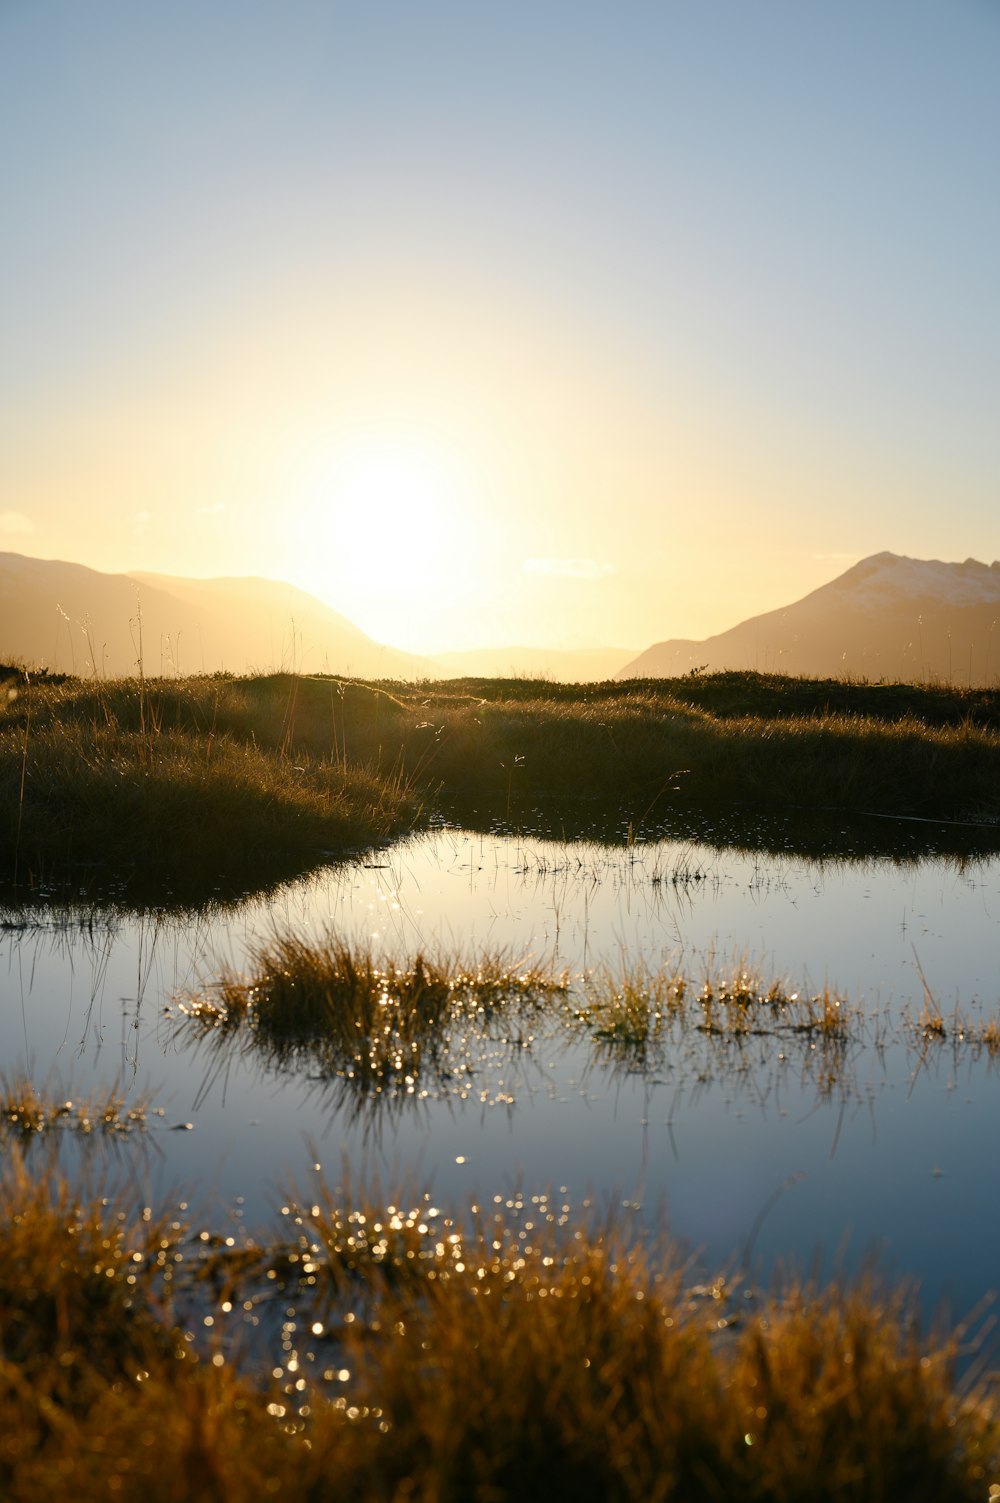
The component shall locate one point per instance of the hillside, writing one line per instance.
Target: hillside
(73, 619)
(77, 620)
(887, 617)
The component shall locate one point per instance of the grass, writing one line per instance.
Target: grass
(81, 1284)
(379, 1349)
(634, 1010)
(98, 778)
(27, 1114)
(522, 1353)
(189, 786)
(386, 1033)
(377, 1036)
(960, 1032)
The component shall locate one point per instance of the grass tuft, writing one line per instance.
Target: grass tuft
(378, 1027)
(26, 1113)
(519, 1353)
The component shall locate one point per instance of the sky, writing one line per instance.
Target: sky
(563, 322)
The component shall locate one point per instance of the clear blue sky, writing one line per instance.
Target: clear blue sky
(540, 321)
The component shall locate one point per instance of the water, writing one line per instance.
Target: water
(749, 1151)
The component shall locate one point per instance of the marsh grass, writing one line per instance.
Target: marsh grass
(960, 1032)
(654, 748)
(167, 809)
(743, 1004)
(83, 1286)
(29, 1114)
(617, 1387)
(194, 783)
(379, 1036)
(643, 1022)
(523, 1351)
(383, 1029)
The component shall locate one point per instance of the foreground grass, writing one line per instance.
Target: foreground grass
(522, 1353)
(189, 785)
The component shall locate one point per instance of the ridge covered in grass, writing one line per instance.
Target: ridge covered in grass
(192, 786)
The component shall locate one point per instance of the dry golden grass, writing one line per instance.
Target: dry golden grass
(28, 1113)
(217, 782)
(378, 1035)
(381, 1028)
(520, 1353)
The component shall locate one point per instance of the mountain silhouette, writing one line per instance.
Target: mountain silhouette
(77, 620)
(887, 617)
(72, 619)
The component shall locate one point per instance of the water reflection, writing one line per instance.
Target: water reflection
(884, 1122)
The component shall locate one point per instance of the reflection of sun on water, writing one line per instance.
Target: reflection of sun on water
(388, 523)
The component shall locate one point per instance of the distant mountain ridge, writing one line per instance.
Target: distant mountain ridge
(72, 619)
(887, 617)
(77, 620)
(563, 665)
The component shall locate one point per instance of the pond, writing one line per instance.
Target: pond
(767, 1147)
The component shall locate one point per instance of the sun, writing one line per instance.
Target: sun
(388, 510)
(389, 521)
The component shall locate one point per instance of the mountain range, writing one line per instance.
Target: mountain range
(77, 620)
(887, 617)
(81, 621)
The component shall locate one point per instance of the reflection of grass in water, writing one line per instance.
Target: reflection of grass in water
(382, 1028)
(524, 1352)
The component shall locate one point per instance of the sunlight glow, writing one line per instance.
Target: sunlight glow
(390, 520)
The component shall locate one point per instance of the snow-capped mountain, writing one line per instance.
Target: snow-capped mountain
(887, 617)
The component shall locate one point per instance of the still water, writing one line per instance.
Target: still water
(749, 1152)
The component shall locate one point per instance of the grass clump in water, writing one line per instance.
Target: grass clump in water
(742, 1004)
(384, 1029)
(961, 1032)
(26, 1113)
(643, 1019)
(387, 1034)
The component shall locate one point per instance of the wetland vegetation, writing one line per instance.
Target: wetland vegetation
(380, 1349)
(518, 1345)
(377, 1036)
(184, 789)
